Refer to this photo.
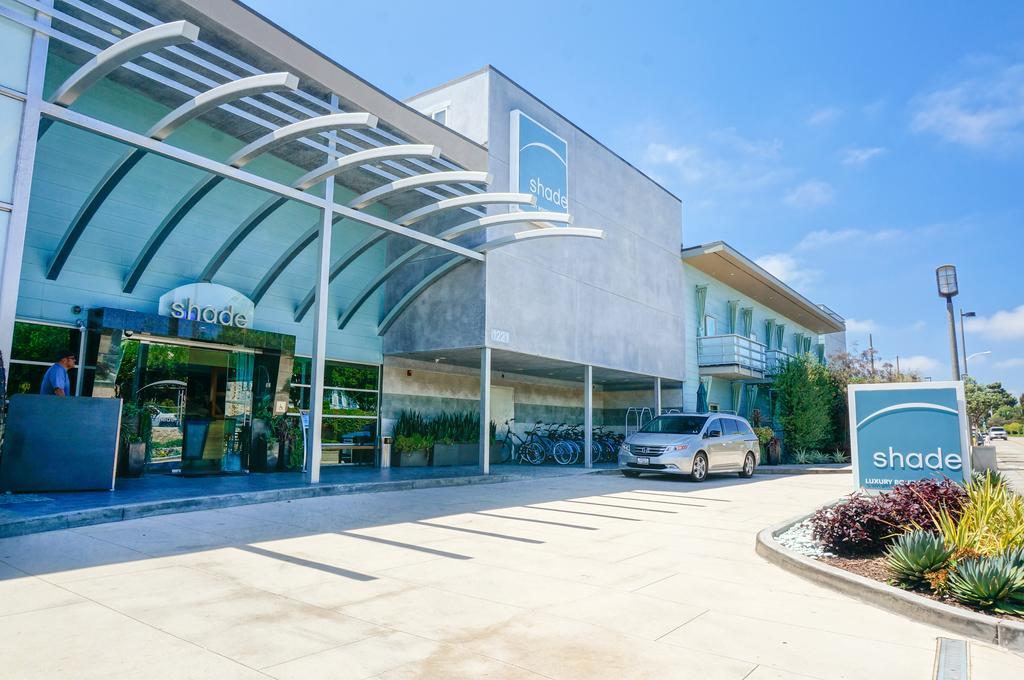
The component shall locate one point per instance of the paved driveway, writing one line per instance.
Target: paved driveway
(1010, 456)
(577, 577)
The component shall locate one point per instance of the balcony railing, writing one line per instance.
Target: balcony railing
(776, 359)
(731, 350)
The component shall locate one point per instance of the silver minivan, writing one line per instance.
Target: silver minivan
(694, 444)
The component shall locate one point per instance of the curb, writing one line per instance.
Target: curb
(120, 513)
(804, 470)
(982, 627)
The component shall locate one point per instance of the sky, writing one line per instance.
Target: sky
(849, 148)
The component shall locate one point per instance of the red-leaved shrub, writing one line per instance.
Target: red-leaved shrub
(864, 524)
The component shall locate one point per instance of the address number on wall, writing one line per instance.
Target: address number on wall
(500, 336)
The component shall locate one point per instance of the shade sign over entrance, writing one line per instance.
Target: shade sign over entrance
(906, 431)
(539, 164)
(208, 303)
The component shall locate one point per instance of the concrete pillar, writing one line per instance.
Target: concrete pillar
(588, 416)
(657, 397)
(485, 410)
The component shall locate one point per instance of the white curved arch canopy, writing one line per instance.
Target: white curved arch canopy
(486, 198)
(302, 128)
(121, 52)
(215, 96)
(419, 182)
(354, 160)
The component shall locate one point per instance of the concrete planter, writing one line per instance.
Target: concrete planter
(136, 463)
(412, 458)
(456, 454)
(983, 459)
(975, 625)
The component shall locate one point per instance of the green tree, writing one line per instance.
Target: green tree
(984, 400)
(807, 397)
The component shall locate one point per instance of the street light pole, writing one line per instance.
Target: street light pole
(963, 338)
(945, 278)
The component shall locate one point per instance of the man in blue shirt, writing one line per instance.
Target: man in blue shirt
(55, 380)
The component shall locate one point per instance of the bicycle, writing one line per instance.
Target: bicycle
(515, 449)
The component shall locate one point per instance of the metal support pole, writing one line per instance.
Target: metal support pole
(316, 386)
(657, 397)
(588, 416)
(485, 410)
(963, 344)
(12, 243)
(954, 355)
(83, 337)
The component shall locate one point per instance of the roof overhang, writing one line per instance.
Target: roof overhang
(259, 34)
(724, 263)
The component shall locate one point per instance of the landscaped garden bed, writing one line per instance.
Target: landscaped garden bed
(962, 546)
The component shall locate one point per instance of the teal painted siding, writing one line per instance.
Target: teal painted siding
(717, 305)
(69, 164)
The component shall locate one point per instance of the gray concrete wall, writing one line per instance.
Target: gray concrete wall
(612, 303)
(615, 303)
(425, 387)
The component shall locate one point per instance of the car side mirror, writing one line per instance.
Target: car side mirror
(714, 433)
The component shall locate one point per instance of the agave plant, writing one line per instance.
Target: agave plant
(1015, 556)
(990, 583)
(915, 554)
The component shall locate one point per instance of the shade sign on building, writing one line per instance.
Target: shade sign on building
(208, 303)
(539, 164)
(906, 431)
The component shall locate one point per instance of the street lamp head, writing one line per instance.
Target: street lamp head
(969, 315)
(945, 277)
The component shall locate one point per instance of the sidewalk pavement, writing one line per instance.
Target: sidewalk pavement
(582, 576)
(1010, 460)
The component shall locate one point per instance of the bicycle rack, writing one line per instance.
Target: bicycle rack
(640, 416)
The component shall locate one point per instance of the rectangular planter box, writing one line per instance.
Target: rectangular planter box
(412, 459)
(456, 454)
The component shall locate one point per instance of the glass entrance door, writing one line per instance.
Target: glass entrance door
(193, 405)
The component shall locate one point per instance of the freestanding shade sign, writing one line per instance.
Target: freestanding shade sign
(905, 431)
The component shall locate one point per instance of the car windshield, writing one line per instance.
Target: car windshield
(675, 425)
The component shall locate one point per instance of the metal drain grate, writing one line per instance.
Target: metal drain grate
(952, 661)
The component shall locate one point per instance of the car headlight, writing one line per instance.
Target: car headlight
(678, 447)
(624, 447)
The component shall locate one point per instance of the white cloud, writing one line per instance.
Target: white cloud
(983, 112)
(723, 161)
(811, 194)
(788, 269)
(861, 326)
(824, 238)
(859, 157)
(1010, 363)
(917, 362)
(1003, 325)
(824, 116)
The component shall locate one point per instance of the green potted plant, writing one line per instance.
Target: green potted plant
(456, 438)
(412, 450)
(135, 428)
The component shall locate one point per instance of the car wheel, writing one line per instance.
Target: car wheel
(748, 465)
(633, 474)
(700, 468)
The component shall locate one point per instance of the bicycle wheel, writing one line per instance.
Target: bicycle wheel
(532, 453)
(508, 450)
(563, 453)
